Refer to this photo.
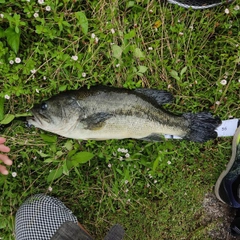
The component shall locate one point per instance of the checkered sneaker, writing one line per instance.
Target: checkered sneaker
(40, 217)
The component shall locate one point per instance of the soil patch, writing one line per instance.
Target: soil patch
(218, 216)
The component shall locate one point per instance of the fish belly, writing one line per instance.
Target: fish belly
(125, 127)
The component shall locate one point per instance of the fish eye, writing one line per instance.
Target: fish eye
(44, 106)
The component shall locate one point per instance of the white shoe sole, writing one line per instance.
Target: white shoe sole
(197, 7)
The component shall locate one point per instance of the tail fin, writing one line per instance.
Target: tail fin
(202, 126)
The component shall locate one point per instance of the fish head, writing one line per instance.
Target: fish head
(55, 115)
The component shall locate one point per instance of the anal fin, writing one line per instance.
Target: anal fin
(153, 138)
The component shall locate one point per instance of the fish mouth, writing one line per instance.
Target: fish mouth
(37, 118)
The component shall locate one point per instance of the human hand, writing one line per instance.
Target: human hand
(4, 158)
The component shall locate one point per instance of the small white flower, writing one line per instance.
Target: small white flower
(149, 175)
(27, 0)
(150, 48)
(148, 185)
(126, 182)
(118, 65)
(109, 165)
(75, 58)
(93, 35)
(48, 8)
(44, 77)
(239, 80)
(17, 60)
(227, 11)
(236, 8)
(96, 39)
(50, 189)
(224, 82)
(217, 102)
(169, 162)
(169, 86)
(120, 158)
(127, 155)
(40, 1)
(14, 174)
(126, 190)
(226, 74)
(33, 71)
(220, 90)
(191, 27)
(155, 181)
(150, 11)
(36, 15)
(178, 20)
(1, 15)
(180, 33)
(112, 31)
(11, 62)
(20, 165)
(7, 97)
(37, 91)
(112, 43)
(84, 74)
(129, 200)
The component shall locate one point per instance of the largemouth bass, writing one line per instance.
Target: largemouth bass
(102, 113)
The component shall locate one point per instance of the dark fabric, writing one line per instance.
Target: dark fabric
(115, 233)
(70, 231)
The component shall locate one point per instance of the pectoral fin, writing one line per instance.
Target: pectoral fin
(96, 121)
(160, 96)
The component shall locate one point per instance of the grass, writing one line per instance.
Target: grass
(156, 192)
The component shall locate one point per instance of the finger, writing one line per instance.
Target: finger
(2, 140)
(3, 170)
(5, 159)
(4, 148)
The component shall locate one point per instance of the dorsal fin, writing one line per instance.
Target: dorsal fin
(160, 96)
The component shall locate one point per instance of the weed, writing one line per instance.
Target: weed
(155, 190)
